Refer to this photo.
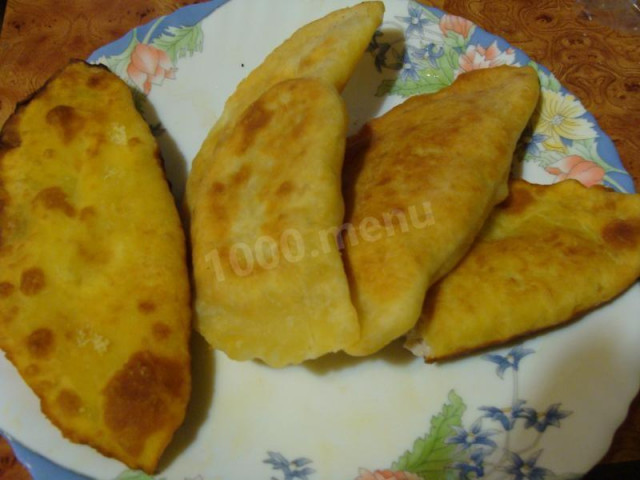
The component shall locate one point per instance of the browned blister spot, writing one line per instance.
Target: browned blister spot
(40, 342)
(99, 81)
(284, 188)
(6, 289)
(241, 176)
(8, 314)
(138, 398)
(384, 180)
(87, 213)
(66, 120)
(255, 119)
(146, 306)
(69, 402)
(32, 281)
(32, 370)
(161, 331)
(96, 144)
(53, 198)
(622, 233)
(218, 187)
(517, 202)
(134, 141)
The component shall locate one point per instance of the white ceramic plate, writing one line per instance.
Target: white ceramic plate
(503, 414)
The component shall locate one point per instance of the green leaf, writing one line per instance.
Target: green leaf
(432, 17)
(118, 63)
(447, 65)
(472, 30)
(548, 81)
(552, 83)
(587, 149)
(545, 158)
(179, 42)
(385, 87)
(406, 89)
(431, 455)
(616, 185)
(454, 39)
(429, 80)
(416, 87)
(453, 58)
(434, 79)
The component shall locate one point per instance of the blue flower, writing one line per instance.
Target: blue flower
(525, 469)
(551, 416)
(535, 143)
(474, 468)
(527, 413)
(495, 413)
(473, 437)
(300, 462)
(409, 68)
(429, 53)
(279, 462)
(511, 360)
(415, 20)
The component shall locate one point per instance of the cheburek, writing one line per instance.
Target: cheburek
(327, 49)
(420, 181)
(94, 290)
(269, 280)
(546, 255)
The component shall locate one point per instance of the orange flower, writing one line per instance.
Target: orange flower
(149, 65)
(574, 166)
(386, 475)
(453, 23)
(477, 57)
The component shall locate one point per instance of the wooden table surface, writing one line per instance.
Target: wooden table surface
(598, 63)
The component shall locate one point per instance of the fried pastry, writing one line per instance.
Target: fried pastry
(94, 290)
(419, 183)
(327, 49)
(545, 256)
(269, 279)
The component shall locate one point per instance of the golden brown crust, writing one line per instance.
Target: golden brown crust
(140, 398)
(327, 49)
(275, 178)
(446, 155)
(546, 256)
(89, 232)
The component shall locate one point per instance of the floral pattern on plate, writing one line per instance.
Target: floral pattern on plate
(485, 448)
(148, 55)
(152, 58)
(564, 142)
(451, 449)
(436, 47)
